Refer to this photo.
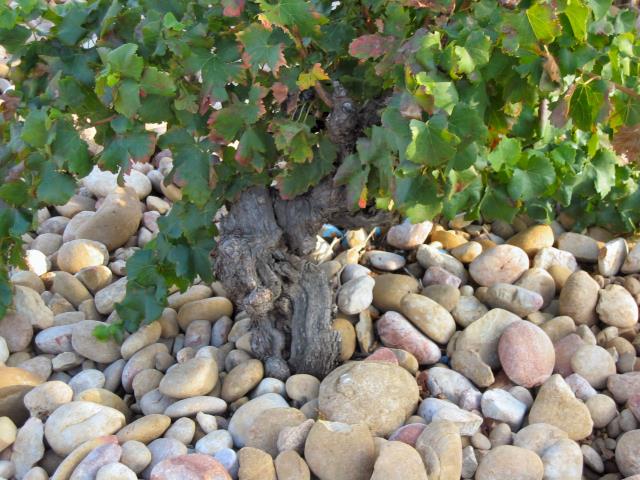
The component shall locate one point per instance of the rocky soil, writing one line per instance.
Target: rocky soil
(490, 351)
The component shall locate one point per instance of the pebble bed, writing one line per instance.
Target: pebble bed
(486, 351)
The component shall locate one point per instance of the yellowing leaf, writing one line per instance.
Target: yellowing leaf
(308, 79)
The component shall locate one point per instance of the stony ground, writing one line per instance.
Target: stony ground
(470, 351)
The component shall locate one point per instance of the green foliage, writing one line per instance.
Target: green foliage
(488, 111)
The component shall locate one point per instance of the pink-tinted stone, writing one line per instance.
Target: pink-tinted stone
(408, 433)
(633, 404)
(383, 355)
(395, 331)
(193, 466)
(624, 386)
(565, 348)
(500, 264)
(408, 235)
(439, 276)
(526, 354)
(96, 459)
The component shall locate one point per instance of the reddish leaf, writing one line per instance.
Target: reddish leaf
(232, 8)
(280, 91)
(370, 46)
(551, 67)
(626, 141)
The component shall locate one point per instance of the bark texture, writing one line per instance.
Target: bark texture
(261, 262)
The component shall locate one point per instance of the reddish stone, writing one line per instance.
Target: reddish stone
(526, 354)
(565, 348)
(383, 355)
(193, 466)
(408, 433)
(439, 276)
(395, 331)
(624, 386)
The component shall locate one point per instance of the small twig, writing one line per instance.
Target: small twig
(629, 91)
(323, 95)
(103, 121)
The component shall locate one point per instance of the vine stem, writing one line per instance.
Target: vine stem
(629, 91)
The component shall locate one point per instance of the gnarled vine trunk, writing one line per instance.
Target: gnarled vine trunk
(262, 263)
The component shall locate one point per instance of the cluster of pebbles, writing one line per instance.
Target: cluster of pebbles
(488, 351)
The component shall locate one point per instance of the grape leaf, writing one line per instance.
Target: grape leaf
(232, 8)
(496, 205)
(578, 14)
(532, 179)
(370, 46)
(35, 131)
(294, 14)
(604, 167)
(507, 153)
(259, 50)
(300, 177)
(543, 22)
(585, 104)
(155, 82)
(308, 79)
(432, 143)
(55, 188)
(127, 100)
(125, 61)
(418, 198)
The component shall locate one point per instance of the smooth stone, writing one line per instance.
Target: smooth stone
(352, 271)
(538, 437)
(386, 261)
(115, 471)
(66, 467)
(558, 327)
(351, 394)
(302, 387)
(88, 468)
(433, 409)
(255, 465)
(594, 364)
(526, 354)
(8, 432)
(443, 382)
(28, 303)
(16, 331)
(183, 430)
(70, 288)
(563, 461)
(193, 466)
(407, 235)
(73, 423)
(513, 298)
(163, 449)
(439, 276)
(144, 336)
(632, 262)
(106, 298)
(539, 281)
(440, 447)
(390, 289)
(556, 404)
(115, 221)
(471, 366)
(468, 310)
(264, 432)
(430, 256)
(290, 466)
(617, 307)
(104, 397)
(245, 416)
(15, 383)
(550, 256)
(565, 348)
(429, 316)
(624, 386)
(86, 344)
(501, 264)
(191, 406)
(395, 331)
(143, 359)
(467, 252)
(532, 239)
(580, 387)
(510, 462)
(229, 460)
(55, 340)
(213, 442)
(602, 409)
(145, 381)
(350, 449)
(484, 334)
(47, 397)
(135, 455)
(579, 297)
(210, 309)
(145, 429)
(628, 453)
(28, 448)
(500, 405)
(86, 379)
(293, 438)
(583, 247)
(356, 295)
(27, 279)
(408, 433)
(192, 378)
(75, 255)
(195, 292)
(611, 257)
(445, 295)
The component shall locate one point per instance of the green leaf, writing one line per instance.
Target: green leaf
(463, 192)
(35, 132)
(15, 193)
(432, 143)
(70, 29)
(294, 139)
(530, 181)
(55, 188)
(125, 61)
(578, 15)
(417, 198)
(479, 47)
(445, 95)
(604, 167)
(543, 22)
(127, 101)
(293, 14)
(251, 149)
(155, 82)
(585, 105)
(300, 177)
(15, 38)
(260, 49)
(507, 153)
(600, 7)
(68, 149)
(496, 205)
